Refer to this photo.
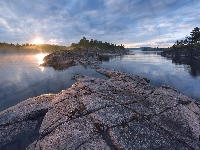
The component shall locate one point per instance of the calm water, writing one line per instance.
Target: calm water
(22, 78)
(183, 74)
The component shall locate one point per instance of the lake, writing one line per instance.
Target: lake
(21, 77)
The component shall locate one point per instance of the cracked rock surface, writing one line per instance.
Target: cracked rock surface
(122, 112)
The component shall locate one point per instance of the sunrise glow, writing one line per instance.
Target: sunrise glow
(40, 58)
(38, 41)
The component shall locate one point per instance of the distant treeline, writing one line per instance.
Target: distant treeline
(31, 47)
(94, 43)
(51, 48)
(190, 41)
(189, 47)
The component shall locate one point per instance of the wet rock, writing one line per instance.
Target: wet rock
(122, 112)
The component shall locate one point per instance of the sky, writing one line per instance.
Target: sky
(134, 23)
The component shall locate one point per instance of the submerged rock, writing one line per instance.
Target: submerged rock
(122, 112)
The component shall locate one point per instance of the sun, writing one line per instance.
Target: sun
(38, 41)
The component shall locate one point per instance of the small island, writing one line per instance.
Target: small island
(85, 53)
(154, 49)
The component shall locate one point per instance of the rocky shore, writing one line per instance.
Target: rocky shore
(80, 56)
(121, 112)
(182, 53)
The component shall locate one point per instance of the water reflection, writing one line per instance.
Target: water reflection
(41, 68)
(62, 67)
(40, 58)
(21, 77)
(104, 58)
(190, 65)
(179, 73)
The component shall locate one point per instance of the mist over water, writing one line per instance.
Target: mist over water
(23, 78)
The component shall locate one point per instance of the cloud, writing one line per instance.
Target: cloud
(116, 21)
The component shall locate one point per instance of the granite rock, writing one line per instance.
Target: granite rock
(122, 112)
(87, 57)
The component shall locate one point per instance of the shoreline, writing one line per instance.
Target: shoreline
(80, 55)
(104, 112)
